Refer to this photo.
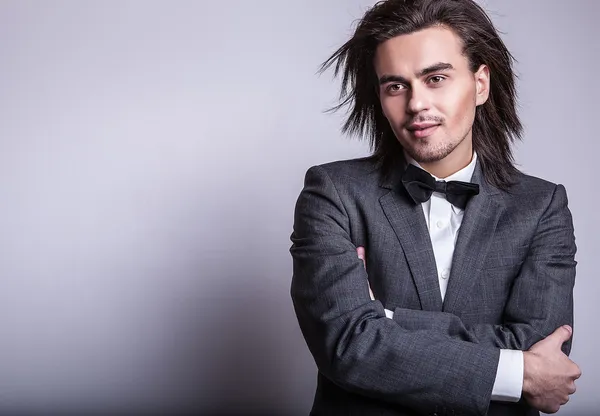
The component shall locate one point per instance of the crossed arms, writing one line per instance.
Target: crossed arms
(421, 359)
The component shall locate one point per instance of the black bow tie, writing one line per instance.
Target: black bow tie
(420, 185)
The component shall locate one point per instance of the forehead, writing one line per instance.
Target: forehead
(407, 54)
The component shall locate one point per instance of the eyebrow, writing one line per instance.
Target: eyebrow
(440, 66)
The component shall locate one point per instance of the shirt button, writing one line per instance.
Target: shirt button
(440, 224)
(445, 274)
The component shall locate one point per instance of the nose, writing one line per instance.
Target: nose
(418, 100)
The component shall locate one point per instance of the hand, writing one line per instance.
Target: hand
(360, 251)
(549, 375)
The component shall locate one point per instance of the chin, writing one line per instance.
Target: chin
(430, 155)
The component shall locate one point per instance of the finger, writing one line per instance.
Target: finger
(560, 335)
(360, 251)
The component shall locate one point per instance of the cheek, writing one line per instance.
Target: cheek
(459, 110)
(393, 109)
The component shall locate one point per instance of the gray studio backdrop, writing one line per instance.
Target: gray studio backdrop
(151, 153)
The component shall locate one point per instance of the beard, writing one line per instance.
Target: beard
(428, 154)
(423, 151)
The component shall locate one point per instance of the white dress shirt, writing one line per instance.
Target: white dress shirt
(443, 222)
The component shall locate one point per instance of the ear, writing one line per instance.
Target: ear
(482, 82)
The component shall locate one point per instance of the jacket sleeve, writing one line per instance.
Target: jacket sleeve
(352, 342)
(541, 297)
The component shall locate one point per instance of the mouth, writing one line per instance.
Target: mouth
(422, 130)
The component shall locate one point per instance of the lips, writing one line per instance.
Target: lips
(421, 130)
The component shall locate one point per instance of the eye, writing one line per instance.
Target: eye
(436, 79)
(394, 88)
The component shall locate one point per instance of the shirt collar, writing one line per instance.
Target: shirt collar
(463, 175)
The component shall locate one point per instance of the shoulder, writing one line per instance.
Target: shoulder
(526, 184)
(353, 182)
(348, 172)
(530, 191)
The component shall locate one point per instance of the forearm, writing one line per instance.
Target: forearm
(368, 354)
(513, 336)
(508, 382)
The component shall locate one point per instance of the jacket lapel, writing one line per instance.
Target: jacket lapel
(474, 237)
(408, 222)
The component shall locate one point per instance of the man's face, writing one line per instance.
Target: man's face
(429, 94)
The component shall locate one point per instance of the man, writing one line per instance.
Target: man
(470, 262)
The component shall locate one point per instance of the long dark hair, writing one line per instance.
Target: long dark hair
(496, 124)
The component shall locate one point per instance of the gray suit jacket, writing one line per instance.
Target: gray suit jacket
(511, 284)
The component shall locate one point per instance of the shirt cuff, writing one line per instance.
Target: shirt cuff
(389, 314)
(509, 377)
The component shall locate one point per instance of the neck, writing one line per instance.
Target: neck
(458, 159)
